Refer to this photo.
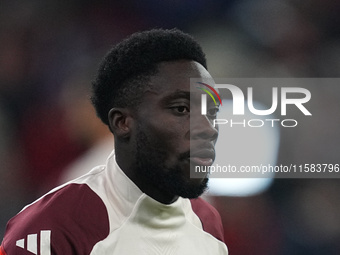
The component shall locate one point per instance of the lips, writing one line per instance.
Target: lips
(203, 157)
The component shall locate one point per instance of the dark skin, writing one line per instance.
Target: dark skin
(163, 127)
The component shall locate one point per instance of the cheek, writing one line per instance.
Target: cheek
(170, 135)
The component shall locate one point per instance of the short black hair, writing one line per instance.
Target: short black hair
(126, 69)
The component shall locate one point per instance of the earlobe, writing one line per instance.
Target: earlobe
(120, 122)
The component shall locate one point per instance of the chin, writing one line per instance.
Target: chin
(193, 189)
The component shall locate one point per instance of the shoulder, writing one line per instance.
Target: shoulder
(68, 220)
(209, 216)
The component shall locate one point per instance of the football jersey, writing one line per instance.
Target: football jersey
(105, 213)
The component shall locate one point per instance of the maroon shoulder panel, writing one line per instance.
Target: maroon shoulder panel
(70, 221)
(209, 216)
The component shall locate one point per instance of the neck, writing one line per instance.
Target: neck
(153, 191)
(125, 163)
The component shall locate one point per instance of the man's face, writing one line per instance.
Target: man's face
(167, 144)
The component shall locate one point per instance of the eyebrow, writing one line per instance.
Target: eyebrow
(177, 94)
(182, 94)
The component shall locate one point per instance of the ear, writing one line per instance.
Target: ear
(120, 122)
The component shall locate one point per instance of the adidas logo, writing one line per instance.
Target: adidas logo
(31, 243)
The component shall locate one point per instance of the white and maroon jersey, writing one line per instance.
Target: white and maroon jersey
(105, 213)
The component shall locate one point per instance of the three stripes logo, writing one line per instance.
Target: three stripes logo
(204, 97)
(33, 241)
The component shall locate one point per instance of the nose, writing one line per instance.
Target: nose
(202, 127)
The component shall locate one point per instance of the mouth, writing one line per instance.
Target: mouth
(203, 157)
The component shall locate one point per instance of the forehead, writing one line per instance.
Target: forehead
(176, 75)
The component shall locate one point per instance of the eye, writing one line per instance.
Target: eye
(212, 112)
(182, 109)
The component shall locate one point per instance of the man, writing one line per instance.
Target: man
(138, 202)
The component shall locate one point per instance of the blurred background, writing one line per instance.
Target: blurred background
(50, 50)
